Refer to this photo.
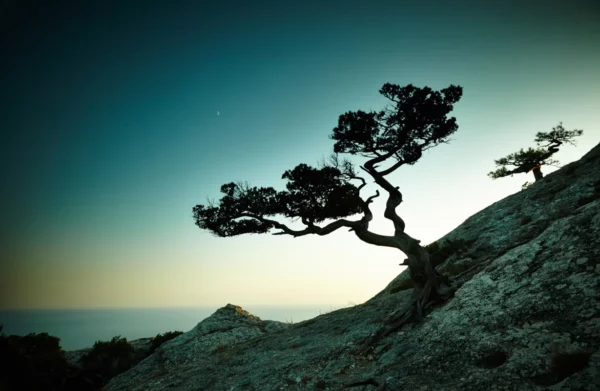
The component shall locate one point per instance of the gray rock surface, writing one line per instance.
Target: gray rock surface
(526, 315)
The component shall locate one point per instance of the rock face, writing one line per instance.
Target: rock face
(216, 335)
(526, 315)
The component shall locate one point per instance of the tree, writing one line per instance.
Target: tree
(533, 159)
(415, 121)
(32, 362)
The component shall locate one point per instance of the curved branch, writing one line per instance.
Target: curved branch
(418, 153)
(370, 199)
(553, 146)
(363, 184)
(375, 239)
(311, 229)
(394, 198)
(367, 211)
(393, 168)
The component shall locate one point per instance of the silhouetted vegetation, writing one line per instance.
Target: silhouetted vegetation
(109, 358)
(31, 362)
(159, 339)
(36, 362)
(415, 120)
(531, 159)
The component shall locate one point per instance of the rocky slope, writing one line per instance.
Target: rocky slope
(526, 315)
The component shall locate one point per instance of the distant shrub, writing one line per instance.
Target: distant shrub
(162, 338)
(32, 362)
(109, 358)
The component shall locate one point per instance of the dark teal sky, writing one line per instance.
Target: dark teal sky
(111, 134)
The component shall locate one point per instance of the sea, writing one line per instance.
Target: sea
(81, 328)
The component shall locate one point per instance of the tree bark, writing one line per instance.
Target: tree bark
(537, 173)
(429, 285)
(429, 288)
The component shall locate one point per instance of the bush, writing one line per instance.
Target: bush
(162, 338)
(32, 362)
(109, 358)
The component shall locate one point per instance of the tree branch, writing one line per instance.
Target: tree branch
(378, 240)
(394, 198)
(370, 199)
(393, 168)
(311, 229)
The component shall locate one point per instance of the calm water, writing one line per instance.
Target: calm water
(80, 328)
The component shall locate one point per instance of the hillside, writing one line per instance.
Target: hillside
(526, 315)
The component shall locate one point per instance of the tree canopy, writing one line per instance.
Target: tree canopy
(524, 161)
(415, 120)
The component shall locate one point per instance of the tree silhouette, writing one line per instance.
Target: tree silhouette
(531, 159)
(415, 121)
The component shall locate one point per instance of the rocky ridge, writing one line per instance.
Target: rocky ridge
(526, 315)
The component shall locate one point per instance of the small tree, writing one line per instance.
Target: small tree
(109, 358)
(415, 121)
(31, 362)
(531, 159)
(159, 339)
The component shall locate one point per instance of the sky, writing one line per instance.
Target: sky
(118, 117)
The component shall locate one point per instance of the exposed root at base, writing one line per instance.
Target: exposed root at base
(420, 301)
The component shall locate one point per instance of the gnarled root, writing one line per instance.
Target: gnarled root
(413, 312)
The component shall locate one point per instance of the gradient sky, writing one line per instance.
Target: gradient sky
(110, 135)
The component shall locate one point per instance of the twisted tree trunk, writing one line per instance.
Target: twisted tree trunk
(537, 173)
(429, 286)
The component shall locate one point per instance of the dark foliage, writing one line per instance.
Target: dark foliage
(416, 119)
(319, 194)
(162, 338)
(36, 362)
(523, 161)
(532, 159)
(109, 358)
(239, 201)
(31, 362)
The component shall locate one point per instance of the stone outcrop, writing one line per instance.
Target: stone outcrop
(222, 331)
(526, 315)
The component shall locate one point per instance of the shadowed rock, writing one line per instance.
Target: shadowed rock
(526, 315)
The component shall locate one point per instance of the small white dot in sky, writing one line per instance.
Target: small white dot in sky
(218, 113)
